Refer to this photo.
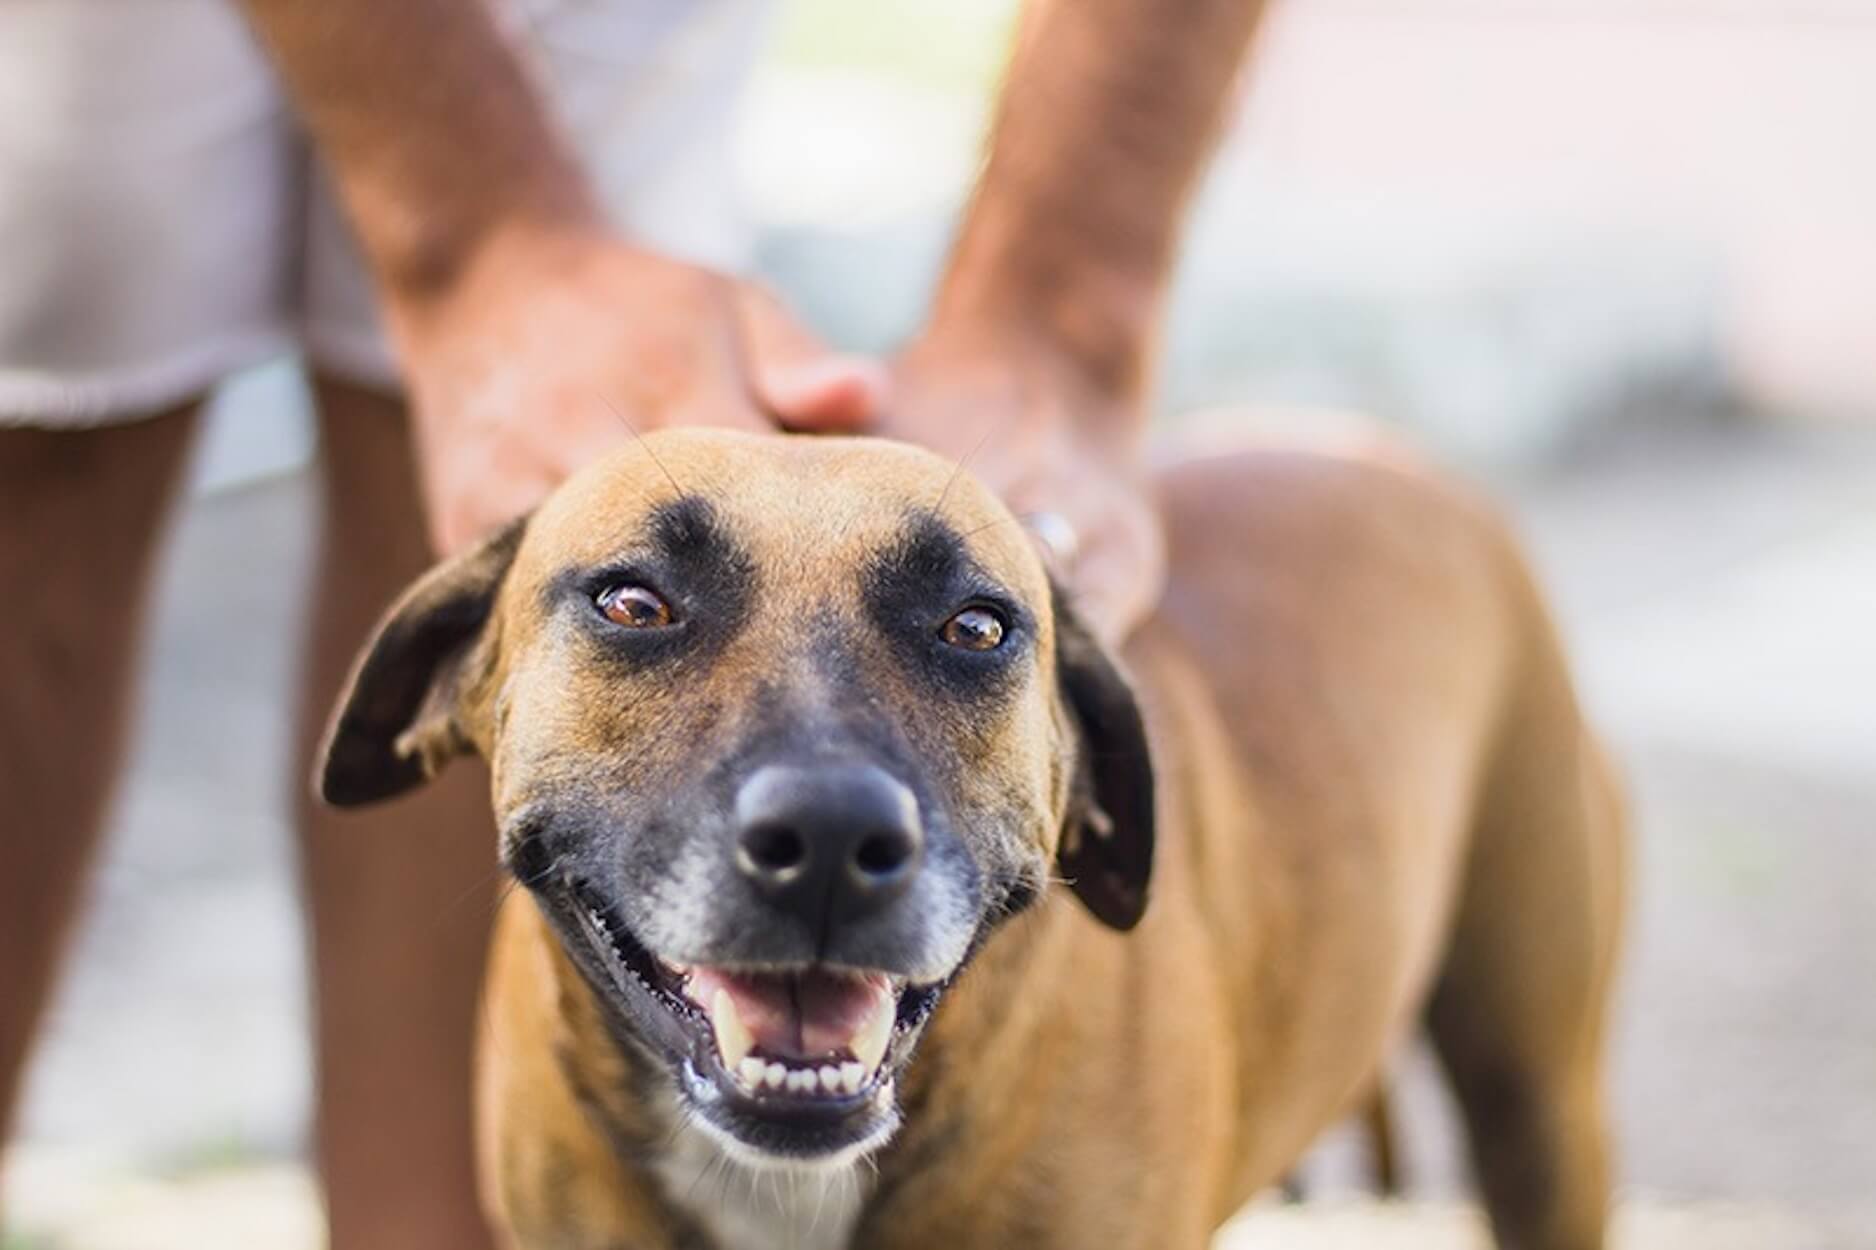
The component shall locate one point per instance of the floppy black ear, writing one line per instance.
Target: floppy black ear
(1106, 851)
(396, 724)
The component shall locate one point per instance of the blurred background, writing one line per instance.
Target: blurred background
(1614, 258)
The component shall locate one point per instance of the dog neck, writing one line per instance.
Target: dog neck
(747, 1203)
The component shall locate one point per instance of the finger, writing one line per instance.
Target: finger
(833, 393)
(795, 375)
(1110, 599)
(1120, 575)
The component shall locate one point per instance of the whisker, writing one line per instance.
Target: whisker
(957, 470)
(627, 423)
(493, 1037)
(820, 1203)
(509, 886)
(988, 525)
(476, 887)
(709, 1165)
(500, 869)
(670, 1139)
(501, 896)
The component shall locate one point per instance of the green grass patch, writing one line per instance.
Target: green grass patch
(226, 1153)
(955, 45)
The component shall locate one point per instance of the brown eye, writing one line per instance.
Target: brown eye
(974, 629)
(634, 607)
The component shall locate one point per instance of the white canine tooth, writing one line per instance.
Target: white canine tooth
(775, 1076)
(830, 1078)
(751, 1071)
(734, 1040)
(852, 1076)
(869, 1044)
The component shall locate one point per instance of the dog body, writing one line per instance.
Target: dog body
(1373, 802)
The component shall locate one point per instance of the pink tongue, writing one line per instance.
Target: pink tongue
(796, 1015)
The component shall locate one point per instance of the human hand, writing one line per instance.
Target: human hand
(553, 346)
(1060, 453)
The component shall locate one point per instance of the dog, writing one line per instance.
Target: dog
(835, 830)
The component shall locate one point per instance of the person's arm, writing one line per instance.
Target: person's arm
(437, 139)
(1035, 361)
(1108, 114)
(521, 320)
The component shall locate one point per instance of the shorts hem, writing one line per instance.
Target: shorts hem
(360, 358)
(55, 400)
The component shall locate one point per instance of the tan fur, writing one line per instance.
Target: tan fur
(1378, 801)
(842, 497)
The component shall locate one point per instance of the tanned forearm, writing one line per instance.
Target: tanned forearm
(1107, 116)
(425, 115)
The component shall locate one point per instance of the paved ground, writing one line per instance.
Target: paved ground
(273, 1207)
(1718, 585)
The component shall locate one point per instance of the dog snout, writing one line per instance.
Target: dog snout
(828, 844)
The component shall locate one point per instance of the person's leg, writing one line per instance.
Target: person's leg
(400, 896)
(81, 518)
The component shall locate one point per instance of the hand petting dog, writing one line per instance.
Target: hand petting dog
(558, 344)
(536, 364)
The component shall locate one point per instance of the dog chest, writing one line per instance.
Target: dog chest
(762, 1206)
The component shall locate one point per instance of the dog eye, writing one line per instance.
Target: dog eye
(634, 607)
(974, 629)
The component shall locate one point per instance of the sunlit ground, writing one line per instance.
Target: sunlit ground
(275, 1207)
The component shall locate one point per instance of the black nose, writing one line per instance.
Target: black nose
(827, 843)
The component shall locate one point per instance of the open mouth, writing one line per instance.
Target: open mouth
(796, 1059)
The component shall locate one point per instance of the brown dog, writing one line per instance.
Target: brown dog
(805, 768)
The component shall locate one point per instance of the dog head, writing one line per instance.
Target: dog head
(779, 729)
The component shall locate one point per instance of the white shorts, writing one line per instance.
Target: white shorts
(161, 225)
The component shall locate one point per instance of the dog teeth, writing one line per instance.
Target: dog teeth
(734, 1040)
(831, 1076)
(757, 1074)
(869, 1044)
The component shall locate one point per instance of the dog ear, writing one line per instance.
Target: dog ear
(1106, 849)
(396, 723)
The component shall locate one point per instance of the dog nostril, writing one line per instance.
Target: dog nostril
(883, 854)
(775, 849)
(827, 843)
